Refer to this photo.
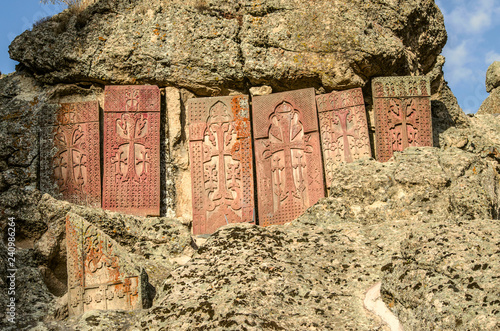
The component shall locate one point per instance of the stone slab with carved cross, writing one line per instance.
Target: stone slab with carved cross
(402, 114)
(343, 127)
(100, 273)
(132, 150)
(69, 153)
(287, 154)
(220, 150)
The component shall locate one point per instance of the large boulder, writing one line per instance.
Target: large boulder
(493, 76)
(492, 103)
(210, 45)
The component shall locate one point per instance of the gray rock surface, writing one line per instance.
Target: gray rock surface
(208, 46)
(446, 277)
(491, 105)
(313, 273)
(493, 76)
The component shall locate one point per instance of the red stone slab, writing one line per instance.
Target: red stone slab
(132, 150)
(221, 162)
(99, 274)
(287, 155)
(70, 161)
(402, 114)
(343, 127)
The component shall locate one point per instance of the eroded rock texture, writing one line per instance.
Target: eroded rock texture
(208, 45)
(312, 273)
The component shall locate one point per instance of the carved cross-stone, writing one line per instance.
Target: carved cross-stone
(221, 162)
(288, 159)
(131, 150)
(70, 159)
(402, 114)
(100, 273)
(344, 128)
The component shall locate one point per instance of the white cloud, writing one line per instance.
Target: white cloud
(491, 57)
(457, 62)
(472, 17)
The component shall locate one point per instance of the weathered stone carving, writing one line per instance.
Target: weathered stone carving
(70, 163)
(221, 162)
(287, 153)
(343, 127)
(100, 276)
(402, 114)
(132, 149)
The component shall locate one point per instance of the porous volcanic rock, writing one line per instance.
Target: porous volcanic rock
(210, 45)
(491, 105)
(446, 277)
(493, 76)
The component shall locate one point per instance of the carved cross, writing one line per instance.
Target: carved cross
(132, 128)
(218, 148)
(403, 113)
(344, 116)
(71, 157)
(285, 128)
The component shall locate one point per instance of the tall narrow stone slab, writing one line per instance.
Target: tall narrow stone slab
(69, 153)
(402, 114)
(100, 275)
(287, 154)
(220, 149)
(132, 150)
(343, 127)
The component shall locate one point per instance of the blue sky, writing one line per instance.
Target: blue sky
(473, 41)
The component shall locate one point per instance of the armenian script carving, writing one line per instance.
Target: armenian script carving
(97, 275)
(402, 114)
(131, 149)
(344, 129)
(70, 162)
(221, 162)
(288, 159)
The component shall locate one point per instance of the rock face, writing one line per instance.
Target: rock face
(207, 46)
(492, 103)
(429, 216)
(493, 76)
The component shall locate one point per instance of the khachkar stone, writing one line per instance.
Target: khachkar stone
(100, 274)
(402, 114)
(220, 150)
(132, 150)
(70, 163)
(287, 154)
(343, 127)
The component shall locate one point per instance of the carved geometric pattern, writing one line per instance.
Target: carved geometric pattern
(344, 129)
(132, 150)
(70, 161)
(402, 114)
(96, 276)
(287, 154)
(221, 162)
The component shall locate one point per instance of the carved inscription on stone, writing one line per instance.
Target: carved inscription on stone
(344, 129)
(402, 114)
(221, 162)
(287, 154)
(99, 276)
(70, 163)
(132, 150)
